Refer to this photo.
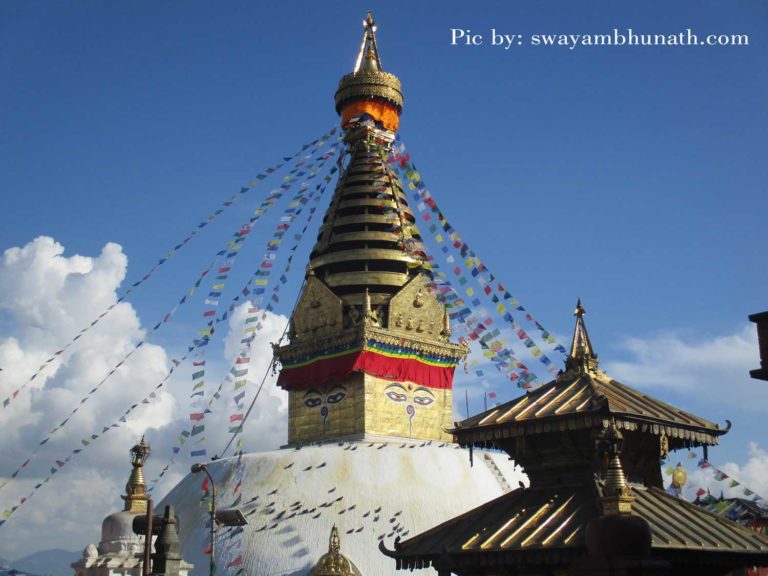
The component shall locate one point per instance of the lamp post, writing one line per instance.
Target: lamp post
(203, 468)
(229, 517)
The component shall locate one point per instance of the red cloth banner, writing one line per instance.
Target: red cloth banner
(320, 371)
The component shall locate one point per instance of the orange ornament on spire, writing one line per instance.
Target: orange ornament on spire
(368, 89)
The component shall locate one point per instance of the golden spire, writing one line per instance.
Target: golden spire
(368, 89)
(617, 497)
(334, 563)
(368, 58)
(136, 489)
(582, 357)
(368, 239)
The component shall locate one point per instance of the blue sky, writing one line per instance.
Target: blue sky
(632, 177)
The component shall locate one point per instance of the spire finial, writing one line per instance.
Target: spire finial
(617, 497)
(136, 489)
(334, 544)
(582, 356)
(368, 91)
(368, 58)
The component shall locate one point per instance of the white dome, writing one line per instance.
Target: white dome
(371, 491)
(117, 534)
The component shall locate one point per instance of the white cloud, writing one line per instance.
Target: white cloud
(752, 475)
(46, 298)
(716, 369)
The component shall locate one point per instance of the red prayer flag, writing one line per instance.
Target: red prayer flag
(236, 562)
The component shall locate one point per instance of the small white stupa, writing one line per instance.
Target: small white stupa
(120, 551)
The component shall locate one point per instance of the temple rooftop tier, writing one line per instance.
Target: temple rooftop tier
(591, 448)
(547, 528)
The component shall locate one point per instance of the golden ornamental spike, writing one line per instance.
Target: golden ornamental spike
(617, 497)
(136, 489)
(582, 357)
(579, 311)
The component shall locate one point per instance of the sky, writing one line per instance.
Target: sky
(629, 176)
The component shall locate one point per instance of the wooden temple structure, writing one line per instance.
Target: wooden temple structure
(591, 447)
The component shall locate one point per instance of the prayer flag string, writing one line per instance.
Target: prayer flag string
(726, 482)
(196, 344)
(499, 296)
(254, 324)
(231, 250)
(109, 374)
(273, 244)
(314, 145)
(258, 324)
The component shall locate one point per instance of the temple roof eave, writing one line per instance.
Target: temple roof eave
(549, 523)
(583, 401)
(482, 435)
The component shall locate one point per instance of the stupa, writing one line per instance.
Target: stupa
(369, 372)
(120, 551)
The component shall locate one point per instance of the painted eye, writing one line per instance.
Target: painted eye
(396, 396)
(423, 400)
(336, 398)
(312, 402)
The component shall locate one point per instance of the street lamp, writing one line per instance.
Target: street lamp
(229, 517)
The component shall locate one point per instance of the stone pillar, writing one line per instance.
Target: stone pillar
(167, 557)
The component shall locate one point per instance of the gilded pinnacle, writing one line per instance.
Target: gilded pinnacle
(581, 357)
(136, 488)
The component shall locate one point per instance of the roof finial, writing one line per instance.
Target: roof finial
(368, 58)
(617, 497)
(136, 489)
(582, 356)
(368, 91)
(333, 562)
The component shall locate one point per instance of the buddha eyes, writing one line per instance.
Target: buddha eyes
(396, 396)
(423, 400)
(312, 402)
(336, 398)
(314, 398)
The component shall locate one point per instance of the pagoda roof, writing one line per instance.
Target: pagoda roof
(582, 400)
(584, 397)
(548, 525)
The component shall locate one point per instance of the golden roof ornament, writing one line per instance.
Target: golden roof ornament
(679, 477)
(582, 357)
(368, 47)
(617, 496)
(136, 488)
(334, 563)
(368, 89)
